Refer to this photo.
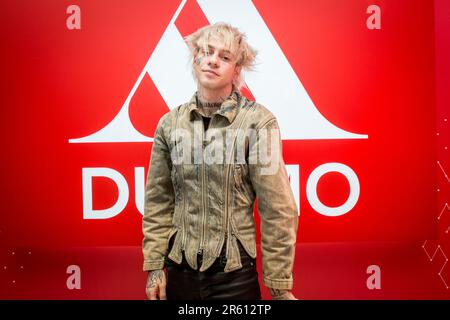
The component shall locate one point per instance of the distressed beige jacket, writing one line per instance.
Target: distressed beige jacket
(201, 188)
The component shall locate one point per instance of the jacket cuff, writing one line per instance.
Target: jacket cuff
(150, 265)
(286, 284)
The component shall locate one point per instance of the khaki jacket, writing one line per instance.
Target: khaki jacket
(206, 200)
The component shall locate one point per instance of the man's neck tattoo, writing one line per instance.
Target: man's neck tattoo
(210, 105)
(208, 108)
(201, 100)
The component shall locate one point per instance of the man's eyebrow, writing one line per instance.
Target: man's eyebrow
(224, 50)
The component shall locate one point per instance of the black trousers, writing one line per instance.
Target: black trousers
(184, 283)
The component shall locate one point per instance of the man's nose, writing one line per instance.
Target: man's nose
(213, 59)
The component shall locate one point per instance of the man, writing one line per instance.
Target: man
(211, 157)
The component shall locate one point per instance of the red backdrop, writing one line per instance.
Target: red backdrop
(389, 84)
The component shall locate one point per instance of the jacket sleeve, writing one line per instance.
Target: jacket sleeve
(159, 203)
(276, 206)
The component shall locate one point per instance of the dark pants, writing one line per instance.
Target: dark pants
(184, 283)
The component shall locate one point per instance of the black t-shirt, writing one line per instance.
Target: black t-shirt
(206, 121)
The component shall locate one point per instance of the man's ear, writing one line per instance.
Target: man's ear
(237, 70)
(194, 58)
(195, 54)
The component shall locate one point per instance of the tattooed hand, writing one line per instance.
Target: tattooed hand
(156, 285)
(278, 294)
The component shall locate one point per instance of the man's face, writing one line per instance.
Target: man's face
(215, 69)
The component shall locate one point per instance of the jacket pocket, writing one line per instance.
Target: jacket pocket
(248, 240)
(172, 233)
(175, 252)
(240, 184)
(176, 184)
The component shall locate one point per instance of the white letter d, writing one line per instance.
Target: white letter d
(88, 211)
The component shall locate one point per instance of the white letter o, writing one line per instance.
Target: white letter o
(311, 189)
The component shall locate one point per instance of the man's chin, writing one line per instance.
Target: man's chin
(211, 85)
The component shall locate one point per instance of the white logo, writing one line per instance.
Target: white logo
(274, 85)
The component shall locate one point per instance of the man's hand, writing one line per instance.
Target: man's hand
(278, 294)
(156, 285)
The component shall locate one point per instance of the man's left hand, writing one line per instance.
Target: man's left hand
(278, 294)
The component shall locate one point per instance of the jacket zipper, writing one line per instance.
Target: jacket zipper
(202, 234)
(183, 244)
(227, 176)
(226, 193)
(184, 239)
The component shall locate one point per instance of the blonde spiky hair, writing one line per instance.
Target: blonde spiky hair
(232, 38)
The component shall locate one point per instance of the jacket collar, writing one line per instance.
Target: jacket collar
(228, 109)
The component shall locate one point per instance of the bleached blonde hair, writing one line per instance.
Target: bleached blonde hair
(244, 54)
